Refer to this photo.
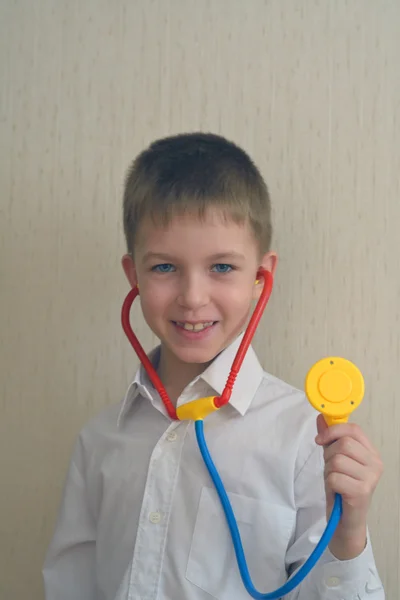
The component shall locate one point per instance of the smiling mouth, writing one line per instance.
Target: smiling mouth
(196, 327)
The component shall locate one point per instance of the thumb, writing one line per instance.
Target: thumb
(321, 425)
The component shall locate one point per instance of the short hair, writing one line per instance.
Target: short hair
(188, 174)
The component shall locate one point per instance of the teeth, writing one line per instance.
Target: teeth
(196, 327)
(200, 326)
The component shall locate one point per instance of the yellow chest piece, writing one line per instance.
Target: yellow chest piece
(334, 387)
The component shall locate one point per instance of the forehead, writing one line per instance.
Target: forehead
(189, 235)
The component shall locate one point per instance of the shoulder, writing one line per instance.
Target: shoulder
(104, 422)
(286, 413)
(276, 395)
(95, 436)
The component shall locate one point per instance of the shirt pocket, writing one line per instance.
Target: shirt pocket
(265, 528)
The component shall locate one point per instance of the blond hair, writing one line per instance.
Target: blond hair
(189, 173)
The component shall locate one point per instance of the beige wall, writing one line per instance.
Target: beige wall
(311, 88)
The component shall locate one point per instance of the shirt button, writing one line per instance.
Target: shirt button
(172, 436)
(155, 517)
(333, 582)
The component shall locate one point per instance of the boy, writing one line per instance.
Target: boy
(140, 518)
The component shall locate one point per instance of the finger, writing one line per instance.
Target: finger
(351, 448)
(346, 466)
(348, 487)
(335, 432)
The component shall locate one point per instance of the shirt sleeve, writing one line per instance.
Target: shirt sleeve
(69, 569)
(330, 579)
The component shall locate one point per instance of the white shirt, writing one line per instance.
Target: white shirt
(140, 518)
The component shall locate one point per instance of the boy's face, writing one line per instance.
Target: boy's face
(197, 282)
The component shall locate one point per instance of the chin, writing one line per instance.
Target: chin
(195, 355)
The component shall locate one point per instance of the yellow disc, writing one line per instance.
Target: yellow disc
(334, 387)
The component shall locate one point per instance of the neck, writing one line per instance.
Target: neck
(176, 374)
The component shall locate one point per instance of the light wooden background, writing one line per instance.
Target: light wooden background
(311, 88)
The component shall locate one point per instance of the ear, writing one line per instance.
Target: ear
(129, 269)
(269, 262)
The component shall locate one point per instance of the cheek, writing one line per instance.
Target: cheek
(147, 310)
(154, 300)
(238, 302)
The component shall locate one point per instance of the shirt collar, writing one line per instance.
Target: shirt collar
(140, 385)
(248, 379)
(215, 376)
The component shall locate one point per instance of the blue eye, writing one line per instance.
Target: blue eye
(164, 268)
(222, 268)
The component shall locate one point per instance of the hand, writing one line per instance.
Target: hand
(352, 468)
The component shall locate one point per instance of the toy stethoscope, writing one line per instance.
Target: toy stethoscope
(334, 387)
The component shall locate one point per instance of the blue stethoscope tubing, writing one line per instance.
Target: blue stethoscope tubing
(304, 570)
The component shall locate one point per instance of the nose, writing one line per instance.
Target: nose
(193, 292)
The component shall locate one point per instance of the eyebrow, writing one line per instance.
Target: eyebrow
(228, 256)
(215, 257)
